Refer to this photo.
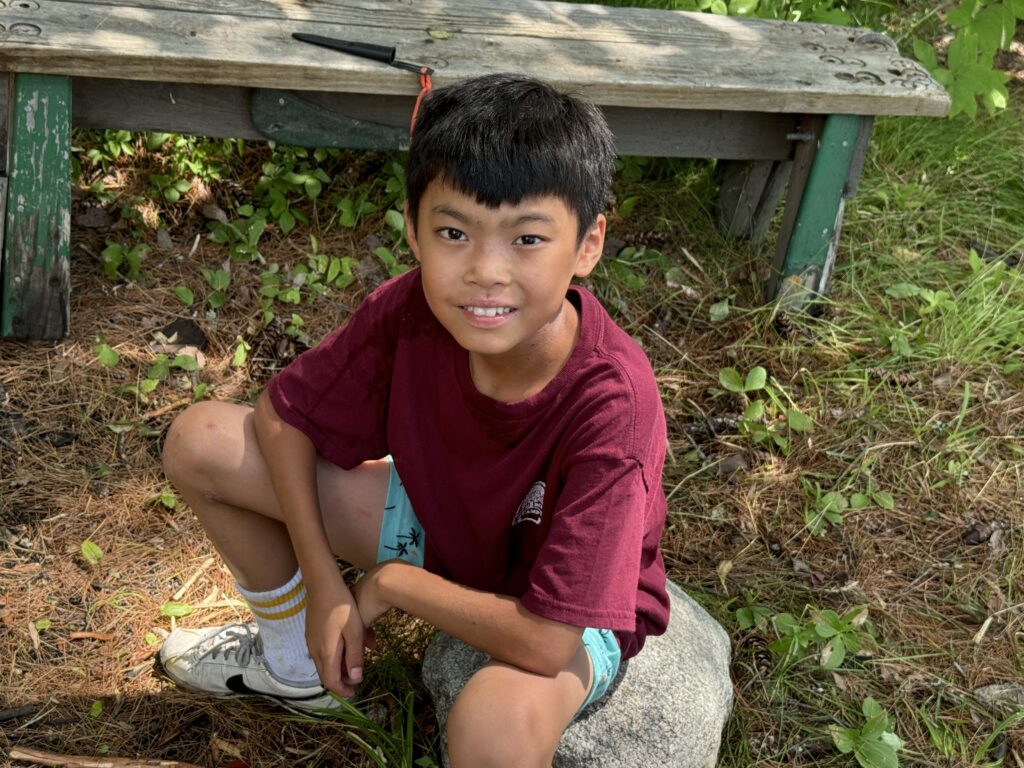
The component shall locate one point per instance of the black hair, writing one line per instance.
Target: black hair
(503, 138)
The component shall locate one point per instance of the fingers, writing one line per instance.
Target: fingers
(328, 666)
(353, 637)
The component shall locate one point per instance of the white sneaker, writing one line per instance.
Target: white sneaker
(228, 661)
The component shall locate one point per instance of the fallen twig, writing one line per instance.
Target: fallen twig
(72, 761)
(156, 414)
(192, 579)
(91, 636)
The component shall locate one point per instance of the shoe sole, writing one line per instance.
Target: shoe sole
(318, 713)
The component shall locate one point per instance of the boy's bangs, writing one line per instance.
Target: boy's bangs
(511, 179)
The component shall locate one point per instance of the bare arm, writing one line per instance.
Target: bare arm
(334, 628)
(496, 624)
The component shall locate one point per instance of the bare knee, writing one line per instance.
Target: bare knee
(488, 730)
(194, 441)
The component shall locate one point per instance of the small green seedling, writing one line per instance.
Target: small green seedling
(169, 188)
(874, 744)
(91, 552)
(241, 354)
(174, 609)
(350, 212)
(753, 616)
(120, 261)
(107, 355)
(218, 280)
(242, 236)
(771, 419)
(830, 635)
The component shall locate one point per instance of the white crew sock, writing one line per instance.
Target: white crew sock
(281, 617)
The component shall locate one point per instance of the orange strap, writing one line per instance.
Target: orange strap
(425, 85)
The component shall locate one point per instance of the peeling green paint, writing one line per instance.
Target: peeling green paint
(36, 272)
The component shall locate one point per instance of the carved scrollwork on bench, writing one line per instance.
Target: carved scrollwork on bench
(876, 41)
(828, 58)
(21, 28)
(860, 77)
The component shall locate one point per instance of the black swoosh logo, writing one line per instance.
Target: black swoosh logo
(236, 684)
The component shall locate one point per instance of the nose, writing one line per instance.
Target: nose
(488, 266)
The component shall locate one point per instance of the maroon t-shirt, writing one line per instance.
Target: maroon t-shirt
(556, 499)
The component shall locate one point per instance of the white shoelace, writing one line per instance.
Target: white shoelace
(238, 641)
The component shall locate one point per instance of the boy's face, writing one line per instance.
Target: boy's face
(496, 278)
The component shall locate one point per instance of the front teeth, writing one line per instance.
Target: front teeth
(489, 311)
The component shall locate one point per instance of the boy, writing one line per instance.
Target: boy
(519, 507)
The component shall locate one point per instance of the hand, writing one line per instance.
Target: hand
(334, 634)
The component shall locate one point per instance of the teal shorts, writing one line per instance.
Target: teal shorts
(402, 537)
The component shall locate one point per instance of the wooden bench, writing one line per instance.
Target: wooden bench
(786, 104)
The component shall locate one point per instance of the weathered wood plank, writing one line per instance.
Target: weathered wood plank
(739, 193)
(774, 189)
(811, 251)
(210, 110)
(616, 57)
(803, 158)
(38, 215)
(6, 84)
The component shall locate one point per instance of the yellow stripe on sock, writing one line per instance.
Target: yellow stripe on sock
(286, 614)
(290, 595)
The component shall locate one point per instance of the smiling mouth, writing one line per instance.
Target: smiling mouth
(488, 311)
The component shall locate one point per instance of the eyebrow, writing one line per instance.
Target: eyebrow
(526, 218)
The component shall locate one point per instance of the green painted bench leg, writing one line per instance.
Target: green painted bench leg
(37, 219)
(804, 261)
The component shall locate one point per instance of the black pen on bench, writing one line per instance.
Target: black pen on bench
(380, 53)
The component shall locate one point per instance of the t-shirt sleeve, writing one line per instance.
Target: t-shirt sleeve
(587, 569)
(337, 392)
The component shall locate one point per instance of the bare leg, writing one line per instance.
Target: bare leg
(511, 718)
(212, 457)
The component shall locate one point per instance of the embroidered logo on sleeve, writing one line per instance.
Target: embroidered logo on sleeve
(531, 508)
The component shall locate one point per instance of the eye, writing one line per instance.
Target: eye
(529, 240)
(451, 233)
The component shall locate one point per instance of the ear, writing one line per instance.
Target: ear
(410, 232)
(591, 248)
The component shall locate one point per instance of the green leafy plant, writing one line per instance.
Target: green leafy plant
(350, 211)
(753, 615)
(829, 635)
(169, 188)
(289, 177)
(120, 261)
(241, 354)
(107, 355)
(771, 418)
(983, 27)
(824, 508)
(218, 280)
(159, 370)
(242, 236)
(110, 147)
(195, 156)
(393, 266)
(874, 745)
